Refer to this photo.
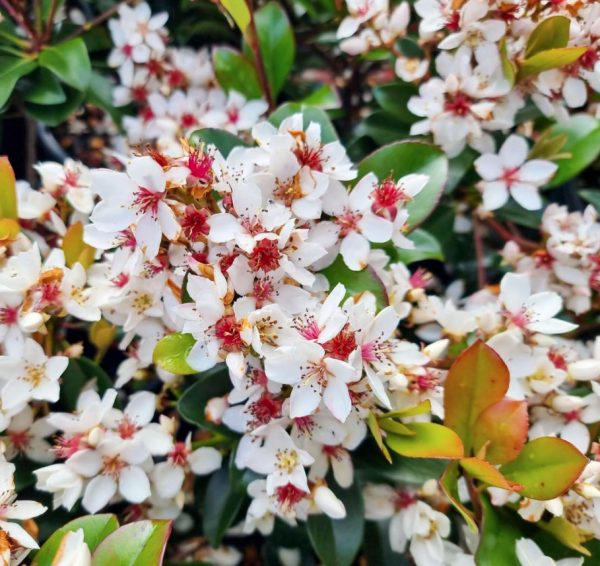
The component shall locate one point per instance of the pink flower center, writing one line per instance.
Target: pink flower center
(262, 291)
(65, 447)
(557, 359)
(348, 222)
(519, 319)
(309, 157)
(194, 223)
(179, 454)
(112, 466)
(386, 196)
(176, 78)
(265, 256)
(511, 176)
(120, 280)
(126, 428)
(188, 120)
(289, 496)
(369, 352)
(227, 330)
(311, 330)
(19, 439)
(342, 345)
(9, 315)
(265, 409)
(404, 500)
(453, 22)
(589, 59)
(200, 165)
(305, 425)
(233, 115)
(458, 104)
(127, 50)
(574, 415)
(420, 279)
(139, 93)
(424, 383)
(147, 201)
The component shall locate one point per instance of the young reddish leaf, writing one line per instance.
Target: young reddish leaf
(485, 472)
(376, 432)
(546, 468)
(429, 441)
(449, 485)
(8, 191)
(477, 379)
(504, 425)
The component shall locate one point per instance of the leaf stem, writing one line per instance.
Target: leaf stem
(254, 44)
(19, 18)
(101, 18)
(511, 234)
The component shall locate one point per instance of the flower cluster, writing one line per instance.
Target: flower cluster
(174, 90)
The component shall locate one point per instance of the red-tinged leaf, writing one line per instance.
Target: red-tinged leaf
(504, 425)
(477, 379)
(8, 190)
(429, 441)
(485, 472)
(449, 485)
(546, 468)
(136, 544)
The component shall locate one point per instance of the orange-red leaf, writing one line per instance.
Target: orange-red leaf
(485, 472)
(504, 425)
(477, 379)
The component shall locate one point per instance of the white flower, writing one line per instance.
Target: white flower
(531, 313)
(32, 376)
(360, 11)
(510, 172)
(530, 554)
(135, 198)
(71, 180)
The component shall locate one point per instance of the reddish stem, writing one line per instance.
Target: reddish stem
(19, 18)
(511, 234)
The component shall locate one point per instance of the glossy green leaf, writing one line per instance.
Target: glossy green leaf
(377, 436)
(311, 114)
(45, 89)
(337, 541)
(402, 158)
(356, 282)
(223, 141)
(95, 529)
(325, 97)
(136, 544)
(583, 145)
(225, 493)
(503, 426)
(78, 374)
(55, 114)
(235, 71)
(11, 70)
(426, 247)
(546, 468)
(172, 351)
(449, 485)
(277, 44)
(459, 166)
(549, 59)
(69, 61)
(477, 379)
(422, 408)
(430, 440)
(499, 534)
(551, 33)
(100, 93)
(394, 97)
(592, 196)
(8, 190)
(376, 546)
(192, 404)
(487, 473)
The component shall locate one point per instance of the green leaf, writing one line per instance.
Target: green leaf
(583, 145)
(136, 544)
(477, 379)
(277, 45)
(449, 485)
(45, 89)
(11, 70)
(172, 351)
(236, 72)
(100, 93)
(402, 158)
(546, 468)
(55, 114)
(422, 408)
(426, 247)
(310, 113)
(79, 373)
(592, 196)
(223, 141)
(192, 404)
(225, 493)
(95, 529)
(8, 190)
(459, 167)
(356, 282)
(430, 440)
(337, 541)
(393, 98)
(325, 97)
(549, 59)
(376, 546)
(70, 62)
(499, 535)
(406, 470)
(239, 11)
(376, 432)
(566, 533)
(552, 33)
